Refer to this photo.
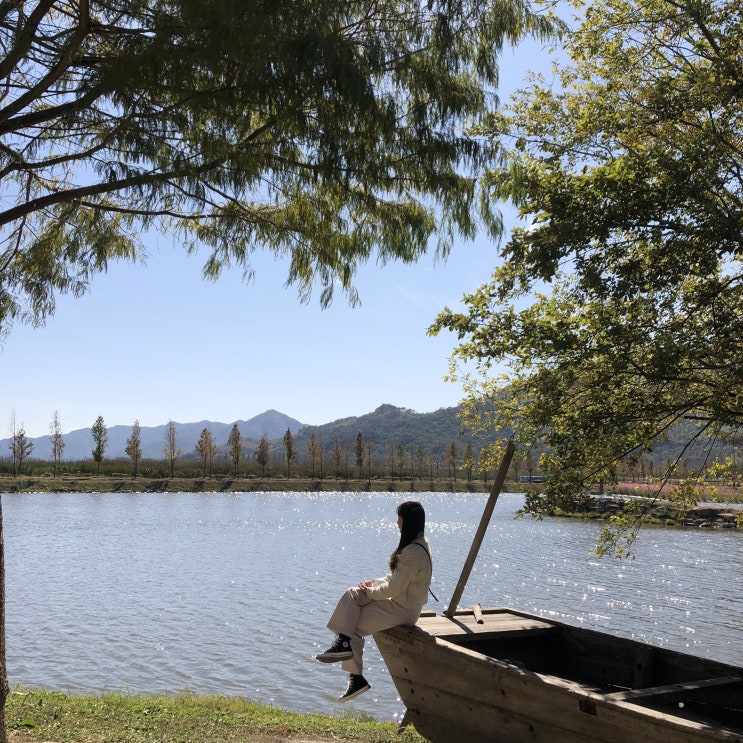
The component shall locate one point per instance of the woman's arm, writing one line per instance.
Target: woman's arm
(396, 583)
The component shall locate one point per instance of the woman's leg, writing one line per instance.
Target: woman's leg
(357, 616)
(346, 616)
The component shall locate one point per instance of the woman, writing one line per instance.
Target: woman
(375, 605)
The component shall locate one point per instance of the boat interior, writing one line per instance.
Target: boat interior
(619, 669)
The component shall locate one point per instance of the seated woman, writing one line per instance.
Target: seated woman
(375, 605)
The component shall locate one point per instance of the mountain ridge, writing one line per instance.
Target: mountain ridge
(382, 428)
(79, 442)
(386, 423)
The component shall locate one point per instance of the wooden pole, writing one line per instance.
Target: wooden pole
(500, 478)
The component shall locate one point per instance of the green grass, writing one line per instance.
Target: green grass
(38, 715)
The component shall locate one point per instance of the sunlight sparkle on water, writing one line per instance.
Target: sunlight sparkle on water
(230, 593)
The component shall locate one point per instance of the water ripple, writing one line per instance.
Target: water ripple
(230, 593)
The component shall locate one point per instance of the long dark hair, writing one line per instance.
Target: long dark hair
(413, 524)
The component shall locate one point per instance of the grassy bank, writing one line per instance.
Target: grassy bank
(55, 717)
(223, 484)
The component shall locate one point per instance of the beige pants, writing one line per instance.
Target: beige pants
(357, 616)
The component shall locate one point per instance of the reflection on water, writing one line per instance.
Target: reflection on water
(230, 593)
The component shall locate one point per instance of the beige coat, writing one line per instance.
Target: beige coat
(409, 584)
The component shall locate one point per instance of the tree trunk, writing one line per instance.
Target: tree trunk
(3, 668)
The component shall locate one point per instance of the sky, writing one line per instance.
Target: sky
(157, 342)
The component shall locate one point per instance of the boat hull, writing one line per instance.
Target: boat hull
(514, 677)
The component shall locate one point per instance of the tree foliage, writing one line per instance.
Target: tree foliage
(206, 449)
(326, 132)
(133, 447)
(235, 445)
(21, 448)
(358, 451)
(57, 441)
(263, 454)
(100, 441)
(618, 309)
(170, 446)
(337, 455)
(290, 450)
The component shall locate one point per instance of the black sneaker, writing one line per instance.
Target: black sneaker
(339, 650)
(356, 685)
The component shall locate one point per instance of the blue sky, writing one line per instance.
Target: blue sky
(156, 342)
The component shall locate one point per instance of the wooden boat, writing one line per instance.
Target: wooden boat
(506, 676)
(513, 677)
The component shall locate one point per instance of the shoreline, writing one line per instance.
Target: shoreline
(716, 515)
(49, 716)
(226, 484)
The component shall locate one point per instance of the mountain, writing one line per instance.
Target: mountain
(392, 425)
(79, 443)
(385, 426)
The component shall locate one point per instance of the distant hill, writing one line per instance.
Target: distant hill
(386, 425)
(79, 443)
(392, 425)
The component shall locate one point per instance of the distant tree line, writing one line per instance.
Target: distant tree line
(356, 457)
(333, 451)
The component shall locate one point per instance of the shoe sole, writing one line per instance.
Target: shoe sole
(334, 657)
(349, 697)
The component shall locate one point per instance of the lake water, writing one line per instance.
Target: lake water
(230, 593)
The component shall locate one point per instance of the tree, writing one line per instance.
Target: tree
(313, 451)
(263, 454)
(4, 685)
(206, 449)
(432, 462)
(319, 130)
(133, 447)
(629, 180)
(337, 456)
(359, 451)
(235, 445)
(290, 450)
(452, 454)
(320, 455)
(468, 462)
(483, 462)
(21, 448)
(324, 131)
(12, 428)
(170, 448)
(100, 441)
(368, 447)
(57, 441)
(401, 457)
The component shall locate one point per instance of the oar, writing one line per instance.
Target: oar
(500, 478)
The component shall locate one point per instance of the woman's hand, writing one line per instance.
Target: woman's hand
(364, 585)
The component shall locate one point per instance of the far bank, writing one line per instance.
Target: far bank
(663, 513)
(225, 484)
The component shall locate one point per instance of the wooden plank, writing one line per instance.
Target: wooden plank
(679, 692)
(501, 623)
(644, 666)
(445, 717)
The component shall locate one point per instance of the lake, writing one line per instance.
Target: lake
(230, 593)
